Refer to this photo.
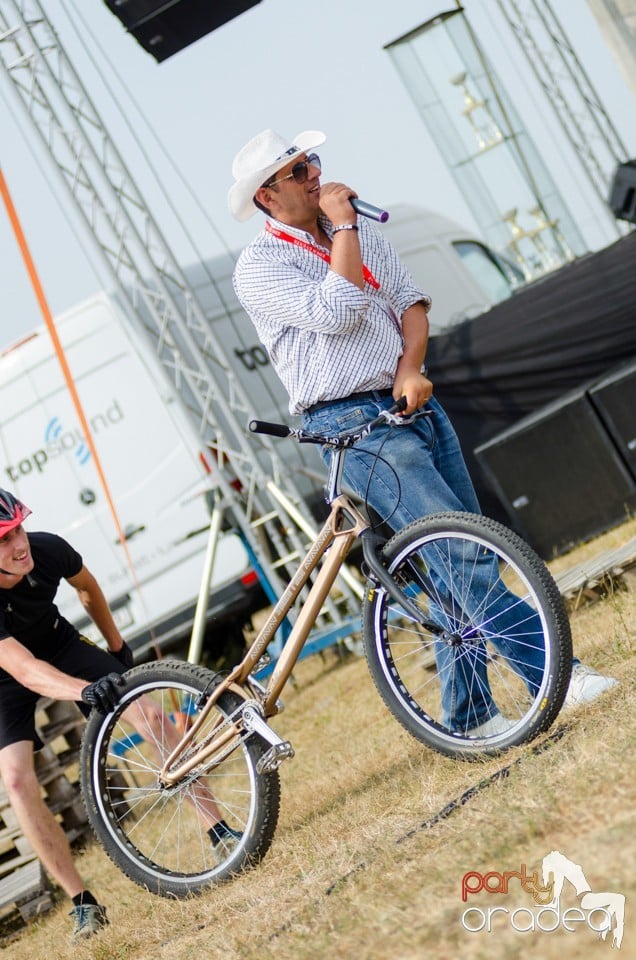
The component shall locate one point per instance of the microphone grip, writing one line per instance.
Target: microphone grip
(368, 210)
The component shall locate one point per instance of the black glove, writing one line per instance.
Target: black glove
(103, 694)
(124, 655)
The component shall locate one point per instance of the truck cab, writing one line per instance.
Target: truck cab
(461, 273)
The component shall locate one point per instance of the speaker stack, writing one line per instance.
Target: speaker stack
(568, 472)
(614, 399)
(622, 198)
(164, 27)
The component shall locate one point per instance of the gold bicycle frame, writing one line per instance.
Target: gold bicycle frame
(333, 534)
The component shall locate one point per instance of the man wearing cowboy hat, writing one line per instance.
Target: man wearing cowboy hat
(282, 178)
(346, 329)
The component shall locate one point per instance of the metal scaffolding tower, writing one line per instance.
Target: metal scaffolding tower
(569, 90)
(247, 477)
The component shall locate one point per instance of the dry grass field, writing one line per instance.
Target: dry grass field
(370, 851)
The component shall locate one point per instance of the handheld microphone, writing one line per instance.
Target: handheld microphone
(368, 210)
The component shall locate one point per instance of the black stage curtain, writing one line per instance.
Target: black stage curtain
(556, 335)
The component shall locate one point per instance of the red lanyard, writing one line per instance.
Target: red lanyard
(366, 273)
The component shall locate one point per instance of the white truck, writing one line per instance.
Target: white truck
(462, 274)
(150, 452)
(151, 459)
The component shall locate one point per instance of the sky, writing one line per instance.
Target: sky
(286, 64)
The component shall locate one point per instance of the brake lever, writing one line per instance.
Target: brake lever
(393, 416)
(390, 415)
(394, 419)
(402, 421)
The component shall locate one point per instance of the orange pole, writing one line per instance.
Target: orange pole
(59, 350)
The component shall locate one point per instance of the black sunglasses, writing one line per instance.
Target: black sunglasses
(299, 171)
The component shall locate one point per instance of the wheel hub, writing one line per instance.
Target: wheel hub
(451, 639)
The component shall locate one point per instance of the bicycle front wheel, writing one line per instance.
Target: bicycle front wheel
(159, 834)
(487, 665)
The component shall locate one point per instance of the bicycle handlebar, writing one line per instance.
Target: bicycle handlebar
(271, 429)
(386, 416)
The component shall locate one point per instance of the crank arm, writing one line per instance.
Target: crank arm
(254, 723)
(279, 749)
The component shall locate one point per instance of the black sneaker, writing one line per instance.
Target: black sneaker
(223, 836)
(89, 918)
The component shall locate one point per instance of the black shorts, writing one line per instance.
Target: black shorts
(79, 658)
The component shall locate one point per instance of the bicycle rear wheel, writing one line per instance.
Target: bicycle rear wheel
(497, 675)
(158, 835)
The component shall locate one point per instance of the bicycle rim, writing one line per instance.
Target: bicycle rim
(158, 835)
(499, 607)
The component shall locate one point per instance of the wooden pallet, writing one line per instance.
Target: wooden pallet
(24, 888)
(593, 578)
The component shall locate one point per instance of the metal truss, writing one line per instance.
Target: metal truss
(151, 283)
(569, 90)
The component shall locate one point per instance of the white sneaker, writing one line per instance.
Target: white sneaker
(491, 727)
(585, 685)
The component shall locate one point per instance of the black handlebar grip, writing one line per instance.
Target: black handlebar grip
(399, 405)
(272, 429)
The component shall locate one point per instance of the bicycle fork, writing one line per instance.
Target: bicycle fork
(378, 572)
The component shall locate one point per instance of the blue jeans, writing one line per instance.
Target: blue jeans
(422, 471)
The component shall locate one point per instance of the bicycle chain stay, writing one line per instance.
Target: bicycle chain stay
(179, 762)
(250, 716)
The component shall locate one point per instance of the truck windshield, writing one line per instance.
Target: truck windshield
(496, 276)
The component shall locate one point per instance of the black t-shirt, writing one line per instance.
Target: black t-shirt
(28, 611)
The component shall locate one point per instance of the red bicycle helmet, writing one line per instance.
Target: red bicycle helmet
(12, 512)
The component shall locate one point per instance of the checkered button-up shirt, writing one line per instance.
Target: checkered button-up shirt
(326, 338)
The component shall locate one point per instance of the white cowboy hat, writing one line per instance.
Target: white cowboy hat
(259, 159)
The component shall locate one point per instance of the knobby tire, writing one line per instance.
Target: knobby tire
(158, 836)
(437, 561)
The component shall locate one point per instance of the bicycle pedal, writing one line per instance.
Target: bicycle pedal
(272, 758)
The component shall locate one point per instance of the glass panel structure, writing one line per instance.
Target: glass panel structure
(494, 161)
